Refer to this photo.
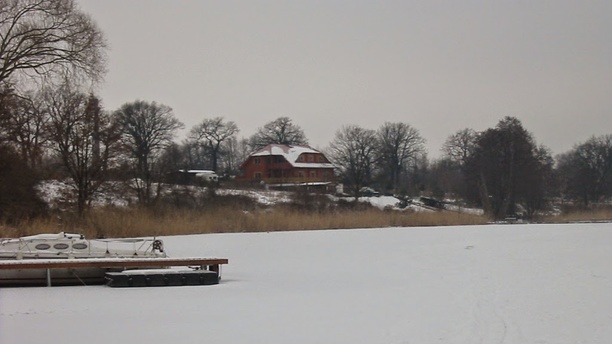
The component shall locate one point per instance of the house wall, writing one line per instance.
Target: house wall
(273, 169)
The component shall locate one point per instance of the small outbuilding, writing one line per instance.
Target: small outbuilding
(193, 177)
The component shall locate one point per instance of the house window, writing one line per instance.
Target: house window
(257, 161)
(313, 174)
(301, 174)
(258, 175)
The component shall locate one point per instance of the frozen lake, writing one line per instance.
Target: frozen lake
(475, 284)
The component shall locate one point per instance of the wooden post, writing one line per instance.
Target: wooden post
(48, 277)
(216, 268)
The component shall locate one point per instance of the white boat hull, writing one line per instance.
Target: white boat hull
(64, 246)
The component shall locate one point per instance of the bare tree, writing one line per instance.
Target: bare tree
(211, 133)
(280, 131)
(587, 169)
(172, 158)
(445, 178)
(84, 137)
(459, 146)
(47, 37)
(25, 126)
(353, 152)
(399, 145)
(8, 104)
(147, 128)
(539, 183)
(18, 197)
(237, 152)
(506, 168)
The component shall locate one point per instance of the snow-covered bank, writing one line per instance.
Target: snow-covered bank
(483, 284)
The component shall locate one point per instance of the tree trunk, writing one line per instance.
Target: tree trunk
(484, 195)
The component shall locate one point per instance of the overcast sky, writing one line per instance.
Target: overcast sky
(440, 66)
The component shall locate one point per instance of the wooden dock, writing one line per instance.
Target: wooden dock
(110, 264)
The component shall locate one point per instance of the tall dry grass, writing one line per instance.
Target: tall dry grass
(593, 215)
(144, 222)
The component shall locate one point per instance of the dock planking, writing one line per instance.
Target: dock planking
(214, 263)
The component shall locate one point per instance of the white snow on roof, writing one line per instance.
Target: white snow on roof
(313, 165)
(291, 153)
(197, 171)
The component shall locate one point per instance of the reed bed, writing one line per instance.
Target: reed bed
(594, 215)
(118, 223)
(137, 222)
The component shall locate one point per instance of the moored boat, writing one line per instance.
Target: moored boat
(67, 246)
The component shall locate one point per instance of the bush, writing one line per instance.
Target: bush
(18, 198)
(304, 200)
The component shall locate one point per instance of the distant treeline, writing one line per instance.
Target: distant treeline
(52, 125)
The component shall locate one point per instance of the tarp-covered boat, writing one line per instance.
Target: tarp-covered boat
(70, 246)
(65, 245)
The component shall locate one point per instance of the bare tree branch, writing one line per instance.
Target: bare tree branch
(353, 151)
(211, 133)
(399, 145)
(280, 131)
(84, 137)
(49, 37)
(147, 129)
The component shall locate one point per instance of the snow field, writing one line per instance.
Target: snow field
(479, 284)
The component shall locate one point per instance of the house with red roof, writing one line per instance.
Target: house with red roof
(287, 164)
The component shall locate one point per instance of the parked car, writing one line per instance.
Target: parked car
(368, 192)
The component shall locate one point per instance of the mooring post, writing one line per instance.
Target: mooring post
(216, 268)
(48, 277)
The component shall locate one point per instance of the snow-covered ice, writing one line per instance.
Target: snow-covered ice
(479, 284)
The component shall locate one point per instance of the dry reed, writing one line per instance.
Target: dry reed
(143, 222)
(595, 215)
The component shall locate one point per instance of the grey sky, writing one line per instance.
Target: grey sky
(439, 66)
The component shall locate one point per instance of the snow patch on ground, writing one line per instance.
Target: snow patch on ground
(264, 197)
(460, 209)
(60, 194)
(381, 202)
